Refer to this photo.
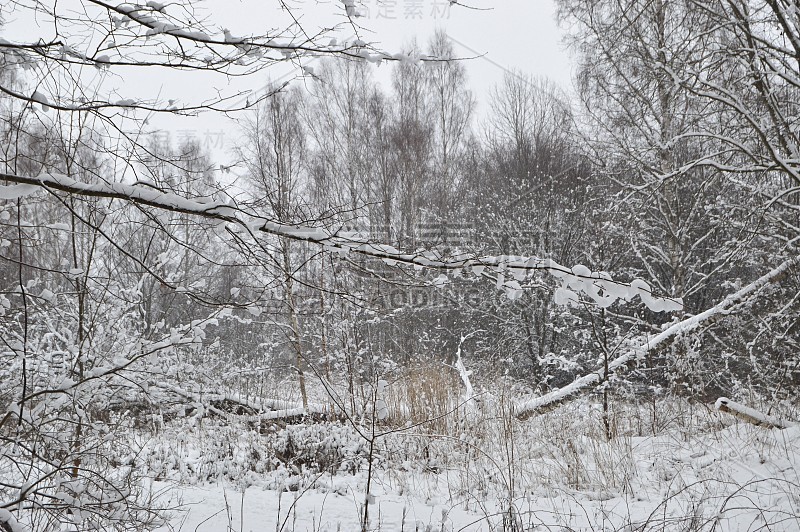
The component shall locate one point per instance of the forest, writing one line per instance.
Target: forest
(569, 309)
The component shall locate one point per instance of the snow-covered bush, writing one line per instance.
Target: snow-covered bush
(233, 452)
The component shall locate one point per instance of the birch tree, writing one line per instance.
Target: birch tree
(275, 152)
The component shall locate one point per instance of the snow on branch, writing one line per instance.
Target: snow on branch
(750, 415)
(528, 408)
(509, 271)
(9, 522)
(156, 35)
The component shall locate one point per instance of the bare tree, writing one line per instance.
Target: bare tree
(275, 155)
(452, 105)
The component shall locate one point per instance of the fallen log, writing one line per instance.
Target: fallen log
(232, 407)
(528, 408)
(751, 415)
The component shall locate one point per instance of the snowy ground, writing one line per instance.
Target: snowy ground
(710, 473)
(213, 507)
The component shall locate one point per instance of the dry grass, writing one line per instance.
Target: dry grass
(426, 394)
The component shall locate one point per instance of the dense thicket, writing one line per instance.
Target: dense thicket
(677, 163)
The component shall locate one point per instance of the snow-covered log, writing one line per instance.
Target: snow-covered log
(751, 415)
(527, 408)
(252, 410)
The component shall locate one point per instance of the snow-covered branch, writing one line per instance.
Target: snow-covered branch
(509, 271)
(528, 408)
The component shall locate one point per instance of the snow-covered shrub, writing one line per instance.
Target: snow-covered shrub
(65, 446)
(231, 451)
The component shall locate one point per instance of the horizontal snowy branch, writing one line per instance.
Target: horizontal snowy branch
(510, 271)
